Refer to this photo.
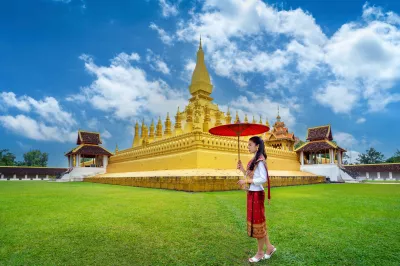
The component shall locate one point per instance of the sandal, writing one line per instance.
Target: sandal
(266, 256)
(254, 259)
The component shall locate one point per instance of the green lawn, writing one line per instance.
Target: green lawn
(381, 181)
(44, 223)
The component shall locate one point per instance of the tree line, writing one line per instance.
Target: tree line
(31, 158)
(372, 156)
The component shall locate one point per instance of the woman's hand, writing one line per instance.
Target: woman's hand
(240, 166)
(241, 182)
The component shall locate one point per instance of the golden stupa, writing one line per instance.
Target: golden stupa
(186, 157)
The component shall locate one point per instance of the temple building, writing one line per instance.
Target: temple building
(182, 154)
(187, 144)
(321, 155)
(88, 158)
(279, 137)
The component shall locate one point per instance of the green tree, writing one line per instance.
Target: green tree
(6, 158)
(395, 158)
(35, 158)
(371, 156)
(298, 144)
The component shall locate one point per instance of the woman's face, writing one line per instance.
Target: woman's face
(252, 147)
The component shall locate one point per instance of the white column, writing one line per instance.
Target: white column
(367, 175)
(302, 158)
(47, 176)
(379, 175)
(390, 175)
(77, 164)
(37, 176)
(330, 156)
(26, 176)
(14, 176)
(105, 161)
(339, 157)
(2, 176)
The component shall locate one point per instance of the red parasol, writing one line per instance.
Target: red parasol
(239, 129)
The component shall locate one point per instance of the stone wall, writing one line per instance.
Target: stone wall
(200, 183)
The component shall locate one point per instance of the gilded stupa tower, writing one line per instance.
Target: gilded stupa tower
(200, 86)
(182, 141)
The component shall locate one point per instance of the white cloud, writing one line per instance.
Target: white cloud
(157, 63)
(340, 97)
(126, 91)
(353, 157)
(93, 123)
(46, 121)
(168, 9)
(287, 46)
(188, 71)
(30, 128)
(361, 120)
(106, 134)
(235, 34)
(163, 35)
(49, 109)
(9, 99)
(264, 106)
(345, 140)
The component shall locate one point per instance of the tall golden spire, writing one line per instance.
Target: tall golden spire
(201, 82)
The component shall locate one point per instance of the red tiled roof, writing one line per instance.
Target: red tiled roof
(385, 167)
(85, 137)
(317, 146)
(319, 133)
(89, 150)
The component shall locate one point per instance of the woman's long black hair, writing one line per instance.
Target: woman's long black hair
(261, 150)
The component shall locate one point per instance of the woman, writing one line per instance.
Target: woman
(256, 175)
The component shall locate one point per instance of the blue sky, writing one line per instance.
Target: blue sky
(101, 65)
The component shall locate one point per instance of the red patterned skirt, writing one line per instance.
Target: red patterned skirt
(256, 226)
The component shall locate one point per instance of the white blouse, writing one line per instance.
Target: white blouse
(259, 178)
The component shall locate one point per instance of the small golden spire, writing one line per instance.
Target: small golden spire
(116, 148)
(228, 117)
(143, 126)
(178, 120)
(254, 120)
(260, 122)
(278, 118)
(237, 118)
(159, 128)
(245, 119)
(151, 134)
(167, 126)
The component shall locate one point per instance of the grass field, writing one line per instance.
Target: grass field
(381, 181)
(44, 223)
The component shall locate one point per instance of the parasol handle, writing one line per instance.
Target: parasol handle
(238, 148)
